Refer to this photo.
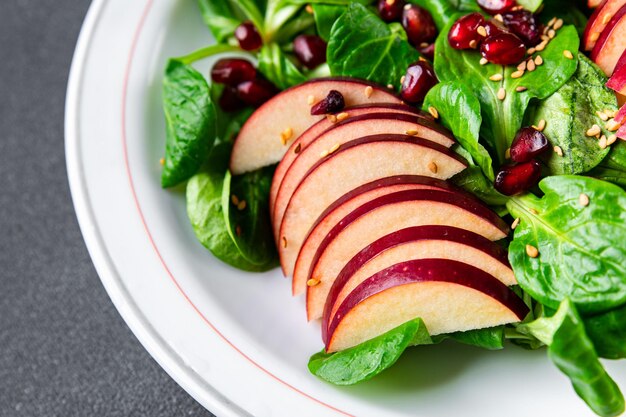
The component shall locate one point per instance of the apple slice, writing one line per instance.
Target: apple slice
(421, 242)
(598, 21)
(610, 45)
(314, 131)
(354, 164)
(621, 132)
(259, 142)
(449, 296)
(382, 216)
(350, 129)
(617, 82)
(344, 205)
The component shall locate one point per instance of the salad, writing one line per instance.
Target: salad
(424, 170)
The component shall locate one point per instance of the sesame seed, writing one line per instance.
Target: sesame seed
(545, 37)
(602, 142)
(390, 2)
(499, 18)
(334, 148)
(533, 211)
(298, 148)
(331, 118)
(611, 113)
(568, 54)
(538, 60)
(242, 205)
(558, 24)
(412, 132)
(606, 18)
(541, 125)
(520, 89)
(552, 21)
(313, 282)
(531, 65)
(309, 8)
(368, 91)
(501, 94)
(532, 251)
(517, 74)
(482, 31)
(594, 36)
(583, 200)
(342, 116)
(284, 242)
(234, 199)
(558, 150)
(483, 61)
(162, 161)
(422, 59)
(507, 153)
(515, 223)
(593, 131)
(390, 86)
(473, 44)
(531, 51)
(285, 135)
(496, 77)
(611, 139)
(612, 125)
(602, 115)
(402, 79)
(324, 154)
(541, 46)
(551, 33)
(433, 112)
(407, 7)
(522, 66)
(432, 167)
(310, 100)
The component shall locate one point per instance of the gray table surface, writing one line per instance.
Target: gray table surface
(64, 349)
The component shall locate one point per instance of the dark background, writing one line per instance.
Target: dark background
(64, 349)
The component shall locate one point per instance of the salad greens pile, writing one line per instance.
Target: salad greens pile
(575, 219)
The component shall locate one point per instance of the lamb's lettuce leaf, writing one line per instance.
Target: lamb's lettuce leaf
(581, 248)
(361, 45)
(613, 167)
(446, 11)
(277, 68)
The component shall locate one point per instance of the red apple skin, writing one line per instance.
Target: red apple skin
(598, 22)
(343, 206)
(402, 276)
(441, 234)
(621, 132)
(316, 129)
(620, 117)
(259, 141)
(356, 163)
(333, 251)
(345, 131)
(617, 82)
(610, 45)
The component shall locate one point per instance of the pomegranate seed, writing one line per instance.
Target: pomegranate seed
(494, 27)
(528, 144)
(494, 7)
(256, 92)
(391, 10)
(248, 36)
(333, 103)
(463, 33)
(310, 50)
(514, 179)
(418, 24)
(232, 71)
(503, 49)
(525, 25)
(429, 51)
(229, 100)
(419, 79)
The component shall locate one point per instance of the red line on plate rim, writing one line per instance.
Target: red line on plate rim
(129, 63)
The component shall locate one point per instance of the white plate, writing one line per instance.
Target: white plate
(239, 343)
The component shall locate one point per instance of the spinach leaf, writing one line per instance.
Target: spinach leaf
(607, 331)
(245, 205)
(473, 180)
(503, 118)
(570, 112)
(573, 353)
(325, 16)
(491, 338)
(459, 111)
(219, 18)
(613, 167)
(363, 46)
(278, 68)
(446, 11)
(204, 209)
(581, 248)
(190, 122)
(370, 358)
